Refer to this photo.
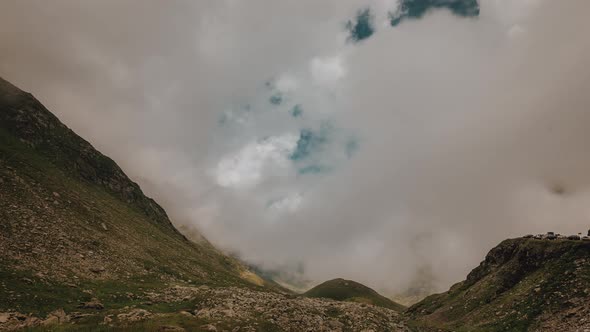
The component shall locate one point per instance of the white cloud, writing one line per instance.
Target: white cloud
(256, 160)
(327, 70)
(286, 83)
(516, 31)
(288, 204)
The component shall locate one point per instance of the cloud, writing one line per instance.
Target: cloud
(327, 70)
(247, 167)
(448, 134)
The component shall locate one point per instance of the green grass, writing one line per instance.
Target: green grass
(154, 323)
(347, 290)
(31, 294)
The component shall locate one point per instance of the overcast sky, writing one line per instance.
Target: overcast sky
(267, 127)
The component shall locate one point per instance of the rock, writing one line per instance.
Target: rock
(335, 325)
(203, 313)
(229, 313)
(135, 315)
(51, 320)
(107, 320)
(209, 327)
(186, 313)
(60, 314)
(4, 317)
(55, 194)
(97, 269)
(92, 304)
(31, 322)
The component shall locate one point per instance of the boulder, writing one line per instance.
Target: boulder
(94, 303)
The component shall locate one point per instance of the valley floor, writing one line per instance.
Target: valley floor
(190, 308)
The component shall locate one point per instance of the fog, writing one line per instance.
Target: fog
(265, 127)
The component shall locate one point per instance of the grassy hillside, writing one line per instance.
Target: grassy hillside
(522, 285)
(73, 226)
(348, 290)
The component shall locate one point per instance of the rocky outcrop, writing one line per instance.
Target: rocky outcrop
(251, 309)
(10, 321)
(523, 284)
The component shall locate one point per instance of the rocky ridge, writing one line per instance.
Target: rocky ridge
(24, 117)
(524, 284)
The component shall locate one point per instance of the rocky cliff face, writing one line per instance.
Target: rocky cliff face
(27, 119)
(522, 285)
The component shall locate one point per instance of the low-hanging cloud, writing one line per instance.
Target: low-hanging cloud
(407, 152)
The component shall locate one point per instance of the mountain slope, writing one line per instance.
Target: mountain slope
(27, 120)
(70, 216)
(83, 249)
(522, 285)
(348, 290)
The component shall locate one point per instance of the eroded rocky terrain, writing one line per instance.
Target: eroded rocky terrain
(218, 309)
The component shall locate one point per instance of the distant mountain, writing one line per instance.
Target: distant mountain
(522, 285)
(348, 290)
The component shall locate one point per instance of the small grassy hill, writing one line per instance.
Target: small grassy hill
(522, 285)
(351, 291)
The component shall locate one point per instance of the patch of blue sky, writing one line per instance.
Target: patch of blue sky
(415, 9)
(297, 111)
(351, 147)
(311, 142)
(276, 98)
(362, 27)
(313, 169)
